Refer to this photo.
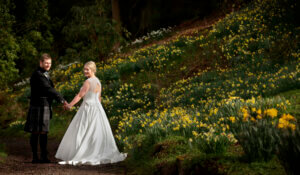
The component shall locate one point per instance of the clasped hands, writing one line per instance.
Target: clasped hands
(67, 106)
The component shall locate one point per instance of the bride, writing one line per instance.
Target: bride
(89, 139)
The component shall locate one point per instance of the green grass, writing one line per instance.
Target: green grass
(16, 130)
(174, 155)
(3, 154)
(233, 165)
(59, 124)
(245, 55)
(294, 97)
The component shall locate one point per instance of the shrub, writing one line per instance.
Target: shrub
(288, 150)
(255, 126)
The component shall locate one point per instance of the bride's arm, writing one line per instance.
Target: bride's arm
(82, 92)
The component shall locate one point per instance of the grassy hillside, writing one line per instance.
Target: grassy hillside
(221, 100)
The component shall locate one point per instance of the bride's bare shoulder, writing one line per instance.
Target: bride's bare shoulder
(98, 80)
(86, 82)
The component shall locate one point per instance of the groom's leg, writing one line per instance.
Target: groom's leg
(34, 147)
(43, 145)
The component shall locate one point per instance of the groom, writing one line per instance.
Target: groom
(40, 110)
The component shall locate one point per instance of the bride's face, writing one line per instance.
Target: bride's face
(87, 72)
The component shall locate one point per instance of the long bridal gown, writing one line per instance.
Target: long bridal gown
(89, 138)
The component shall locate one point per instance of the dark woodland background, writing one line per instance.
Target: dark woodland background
(80, 30)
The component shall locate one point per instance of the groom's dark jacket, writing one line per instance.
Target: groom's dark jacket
(42, 95)
(42, 90)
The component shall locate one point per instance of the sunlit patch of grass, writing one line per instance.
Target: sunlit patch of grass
(59, 124)
(294, 97)
(15, 129)
(3, 154)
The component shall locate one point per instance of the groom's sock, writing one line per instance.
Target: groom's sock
(34, 147)
(43, 145)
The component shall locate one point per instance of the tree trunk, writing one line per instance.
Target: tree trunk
(116, 14)
(117, 19)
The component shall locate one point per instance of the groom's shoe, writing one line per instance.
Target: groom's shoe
(43, 145)
(35, 159)
(45, 160)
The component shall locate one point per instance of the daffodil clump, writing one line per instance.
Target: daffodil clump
(287, 121)
(212, 86)
(128, 98)
(253, 54)
(258, 35)
(253, 123)
(118, 95)
(198, 128)
(257, 124)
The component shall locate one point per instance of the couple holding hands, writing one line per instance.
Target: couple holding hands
(89, 138)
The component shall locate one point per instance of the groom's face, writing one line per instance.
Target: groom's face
(46, 64)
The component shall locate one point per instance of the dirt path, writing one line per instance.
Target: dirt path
(18, 161)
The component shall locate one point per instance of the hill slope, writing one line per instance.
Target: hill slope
(193, 100)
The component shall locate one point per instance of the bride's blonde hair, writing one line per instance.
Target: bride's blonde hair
(91, 65)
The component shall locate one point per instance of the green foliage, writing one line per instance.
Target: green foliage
(142, 145)
(197, 107)
(258, 34)
(10, 111)
(3, 154)
(59, 124)
(128, 98)
(289, 150)
(150, 154)
(217, 85)
(149, 38)
(253, 132)
(258, 141)
(294, 97)
(233, 165)
(249, 63)
(15, 129)
(9, 46)
(91, 33)
(206, 91)
(24, 35)
(256, 127)
(216, 145)
(34, 36)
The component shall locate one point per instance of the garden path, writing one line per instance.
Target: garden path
(18, 161)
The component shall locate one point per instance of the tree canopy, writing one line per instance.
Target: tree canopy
(80, 30)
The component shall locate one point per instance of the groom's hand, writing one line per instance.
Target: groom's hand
(65, 105)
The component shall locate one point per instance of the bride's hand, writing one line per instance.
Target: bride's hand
(68, 106)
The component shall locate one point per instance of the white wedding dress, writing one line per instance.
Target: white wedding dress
(89, 138)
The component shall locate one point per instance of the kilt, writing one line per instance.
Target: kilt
(38, 119)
